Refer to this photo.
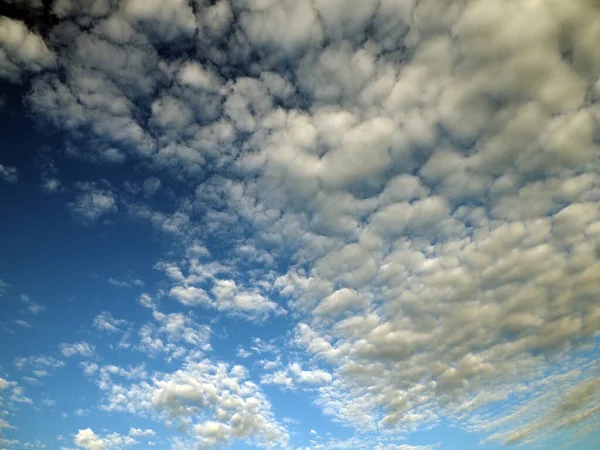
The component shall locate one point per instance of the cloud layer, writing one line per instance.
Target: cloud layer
(413, 183)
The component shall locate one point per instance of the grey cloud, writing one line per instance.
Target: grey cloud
(92, 202)
(9, 174)
(151, 185)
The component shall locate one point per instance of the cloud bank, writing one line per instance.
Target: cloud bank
(414, 183)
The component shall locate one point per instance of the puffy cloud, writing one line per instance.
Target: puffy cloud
(226, 295)
(89, 440)
(81, 348)
(21, 50)
(3, 384)
(176, 334)
(436, 204)
(214, 402)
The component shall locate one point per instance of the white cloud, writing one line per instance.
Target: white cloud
(89, 440)
(227, 294)
(214, 402)
(242, 353)
(175, 334)
(80, 348)
(137, 432)
(146, 301)
(106, 322)
(3, 384)
(293, 374)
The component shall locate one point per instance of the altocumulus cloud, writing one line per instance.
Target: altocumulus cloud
(407, 189)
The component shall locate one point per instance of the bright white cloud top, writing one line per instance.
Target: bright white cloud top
(376, 221)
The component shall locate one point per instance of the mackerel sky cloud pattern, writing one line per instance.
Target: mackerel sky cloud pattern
(299, 224)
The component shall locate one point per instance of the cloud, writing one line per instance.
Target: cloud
(293, 374)
(137, 432)
(3, 288)
(122, 283)
(89, 440)
(32, 307)
(9, 174)
(227, 294)
(175, 334)
(21, 50)
(92, 203)
(243, 353)
(151, 186)
(39, 366)
(430, 217)
(81, 348)
(3, 384)
(106, 322)
(213, 401)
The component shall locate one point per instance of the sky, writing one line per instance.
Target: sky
(300, 224)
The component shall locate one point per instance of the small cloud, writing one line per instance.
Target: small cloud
(118, 283)
(3, 288)
(50, 185)
(92, 202)
(9, 174)
(81, 348)
(35, 308)
(147, 301)
(48, 402)
(151, 186)
(106, 322)
(40, 366)
(137, 432)
(243, 353)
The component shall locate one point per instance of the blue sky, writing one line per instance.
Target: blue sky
(299, 225)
